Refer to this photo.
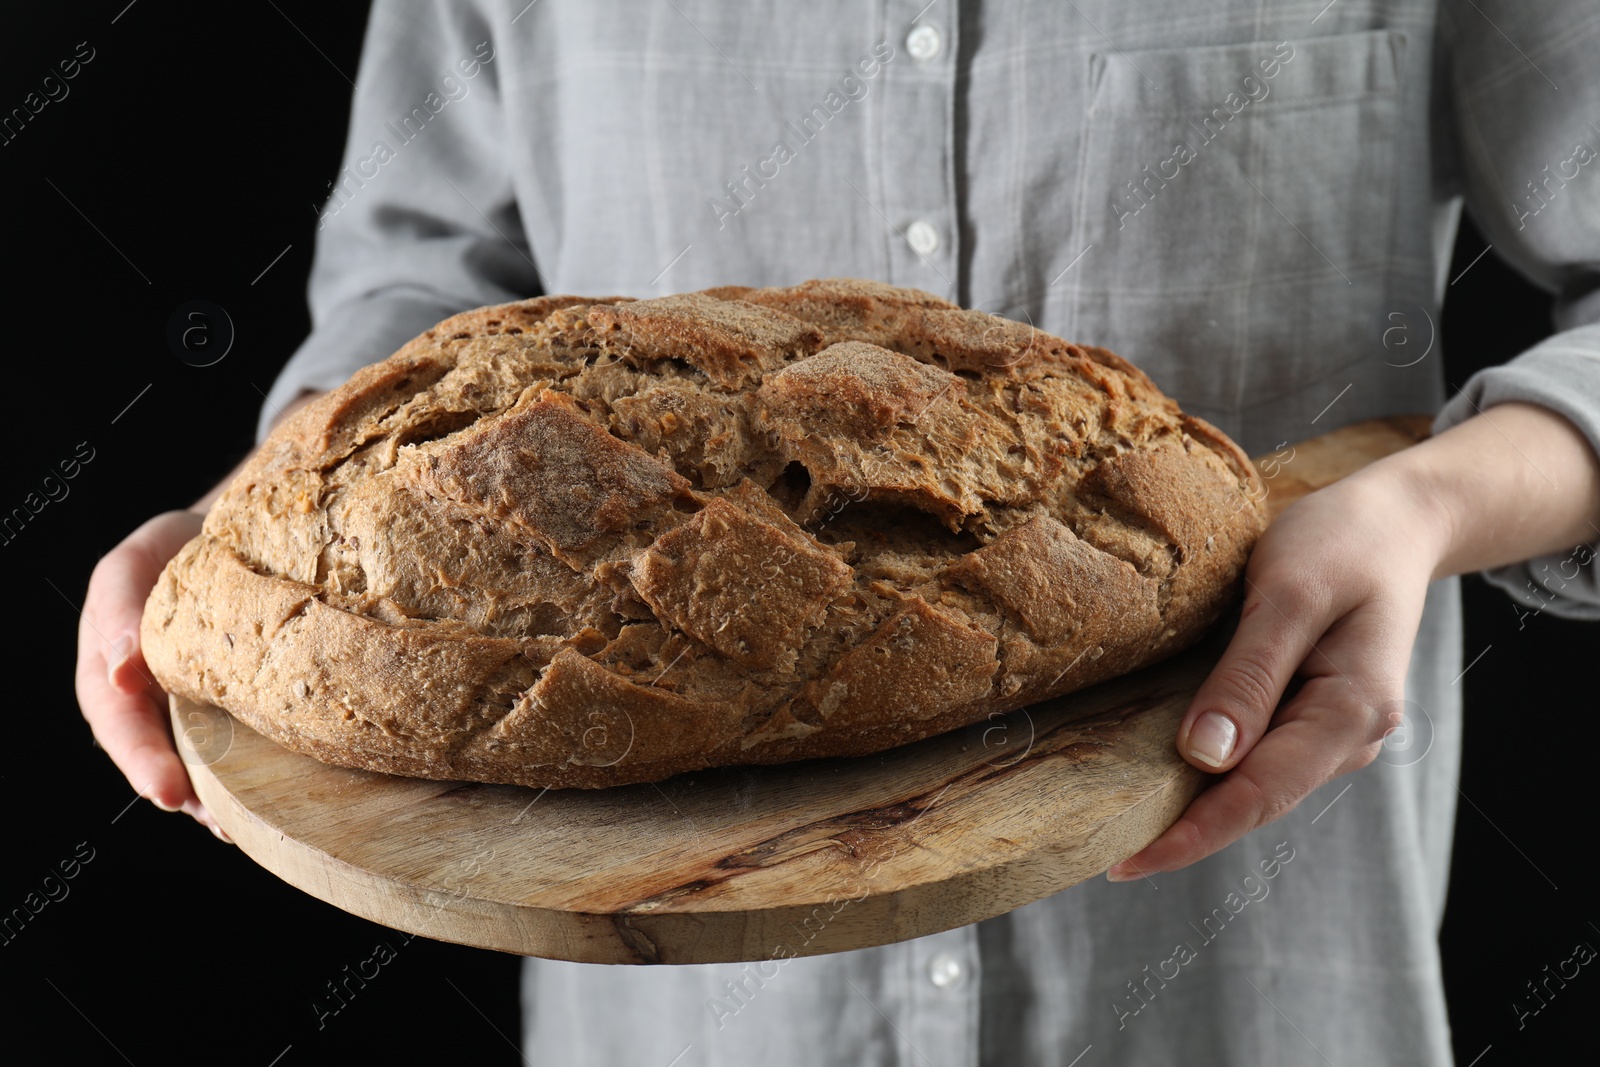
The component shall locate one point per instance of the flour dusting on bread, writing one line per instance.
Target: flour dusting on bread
(584, 542)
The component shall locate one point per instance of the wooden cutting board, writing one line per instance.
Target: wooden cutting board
(748, 863)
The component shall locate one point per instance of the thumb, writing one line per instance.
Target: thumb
(121, 702)
(118, 590)
(1234, 706)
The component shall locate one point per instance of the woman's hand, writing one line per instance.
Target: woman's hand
(1333, 597)
(1315, 675)
(123, 703)
(121, 700)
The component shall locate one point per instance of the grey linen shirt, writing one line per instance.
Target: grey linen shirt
(1253, 202)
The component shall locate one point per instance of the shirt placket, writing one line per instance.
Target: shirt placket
(942, 999)
(917, 137)
(918, 189)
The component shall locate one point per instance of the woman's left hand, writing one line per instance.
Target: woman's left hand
(1333, 598)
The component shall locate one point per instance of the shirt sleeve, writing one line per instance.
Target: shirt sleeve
(421, 221)
(1530, 167)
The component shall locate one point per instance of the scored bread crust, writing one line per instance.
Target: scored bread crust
(585, 542)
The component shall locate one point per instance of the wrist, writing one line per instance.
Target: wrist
(1522, 480)
(1415, 500)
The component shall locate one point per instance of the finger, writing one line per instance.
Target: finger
(198, 811)
(1284, 768)
(1234, 705)
(132, 729)
(133, 732)
(1334, 725)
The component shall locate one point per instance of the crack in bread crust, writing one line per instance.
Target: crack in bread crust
(584, 542)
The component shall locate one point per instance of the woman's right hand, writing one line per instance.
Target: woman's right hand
(125, 706)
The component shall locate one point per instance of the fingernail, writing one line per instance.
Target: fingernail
(1212, 737)
(163, 805)
(120, 649)
(198, 811)
(1119, 873)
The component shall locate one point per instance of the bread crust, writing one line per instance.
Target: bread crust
(585, 542)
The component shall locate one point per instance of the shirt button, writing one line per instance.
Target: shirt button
(944, 970)
(922, 237)
(924, 43)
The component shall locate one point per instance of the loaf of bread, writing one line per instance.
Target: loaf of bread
(585, 542)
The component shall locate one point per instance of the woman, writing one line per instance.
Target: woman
(1255, 205)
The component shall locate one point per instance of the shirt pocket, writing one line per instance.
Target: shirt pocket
(1238, 201)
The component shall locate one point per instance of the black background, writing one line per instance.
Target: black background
(191, 151)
